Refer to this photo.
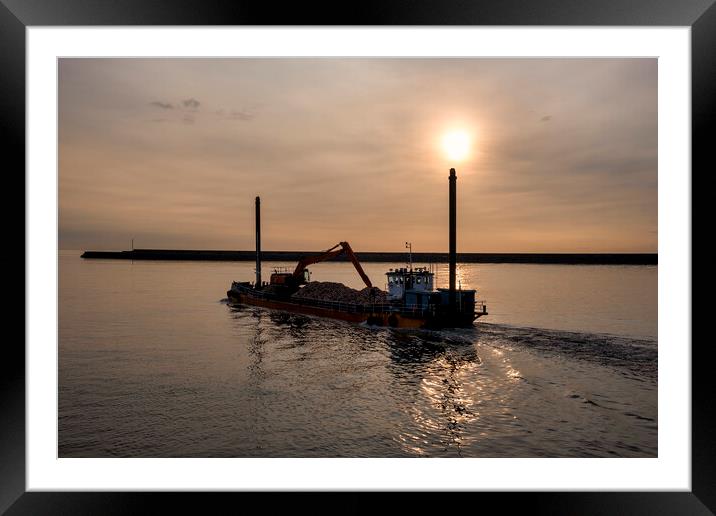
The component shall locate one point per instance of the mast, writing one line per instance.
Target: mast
(453, 236)
(258, 242)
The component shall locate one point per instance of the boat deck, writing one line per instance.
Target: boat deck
(382, 314)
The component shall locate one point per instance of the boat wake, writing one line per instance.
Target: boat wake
(631, 355)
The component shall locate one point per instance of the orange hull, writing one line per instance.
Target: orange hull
(394, 320)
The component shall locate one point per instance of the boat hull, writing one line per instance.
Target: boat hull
(393, 319)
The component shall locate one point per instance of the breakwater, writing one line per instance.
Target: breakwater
(418, 258)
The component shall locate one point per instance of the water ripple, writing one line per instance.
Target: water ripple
(268, 384)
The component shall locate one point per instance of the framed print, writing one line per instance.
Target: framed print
(530, 331)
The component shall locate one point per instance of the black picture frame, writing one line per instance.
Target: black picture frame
(16, 15)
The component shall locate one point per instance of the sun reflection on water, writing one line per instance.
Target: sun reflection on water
(458, 403)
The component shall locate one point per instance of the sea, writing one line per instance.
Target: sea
(154, 362)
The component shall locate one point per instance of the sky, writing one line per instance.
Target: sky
(562, 153)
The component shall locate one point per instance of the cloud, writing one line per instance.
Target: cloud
(546, 118)
(245, 114)
(163, 105)
(191, 103)
(240, 115)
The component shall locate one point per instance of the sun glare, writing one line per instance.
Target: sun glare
(456, 145)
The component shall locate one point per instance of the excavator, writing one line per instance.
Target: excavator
(300, 275)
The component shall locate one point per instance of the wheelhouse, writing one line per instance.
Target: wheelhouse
(400, 281)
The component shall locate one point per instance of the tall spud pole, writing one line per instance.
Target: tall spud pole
(453, 236)
(258, 241)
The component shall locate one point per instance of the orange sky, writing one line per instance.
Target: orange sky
(172, 152)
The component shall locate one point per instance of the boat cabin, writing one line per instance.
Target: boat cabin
(415, 287)
(402, 280)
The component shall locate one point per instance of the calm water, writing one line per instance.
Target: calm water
(154, 363)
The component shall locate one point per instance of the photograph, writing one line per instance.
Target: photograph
(382, 257)
(411, 247)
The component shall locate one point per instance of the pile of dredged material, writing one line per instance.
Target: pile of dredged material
(329, 291)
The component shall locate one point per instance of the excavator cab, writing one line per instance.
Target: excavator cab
(280, 278)
(289, 279)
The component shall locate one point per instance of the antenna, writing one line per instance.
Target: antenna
(409, 247)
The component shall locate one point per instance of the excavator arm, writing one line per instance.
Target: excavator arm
(310, 260)
(334, 251)
(353, 258)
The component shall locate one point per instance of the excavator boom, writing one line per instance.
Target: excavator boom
(334, 251)
(353, 258)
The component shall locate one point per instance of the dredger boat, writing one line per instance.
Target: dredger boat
(410, 301)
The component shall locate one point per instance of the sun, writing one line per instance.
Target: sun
(456, 145)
